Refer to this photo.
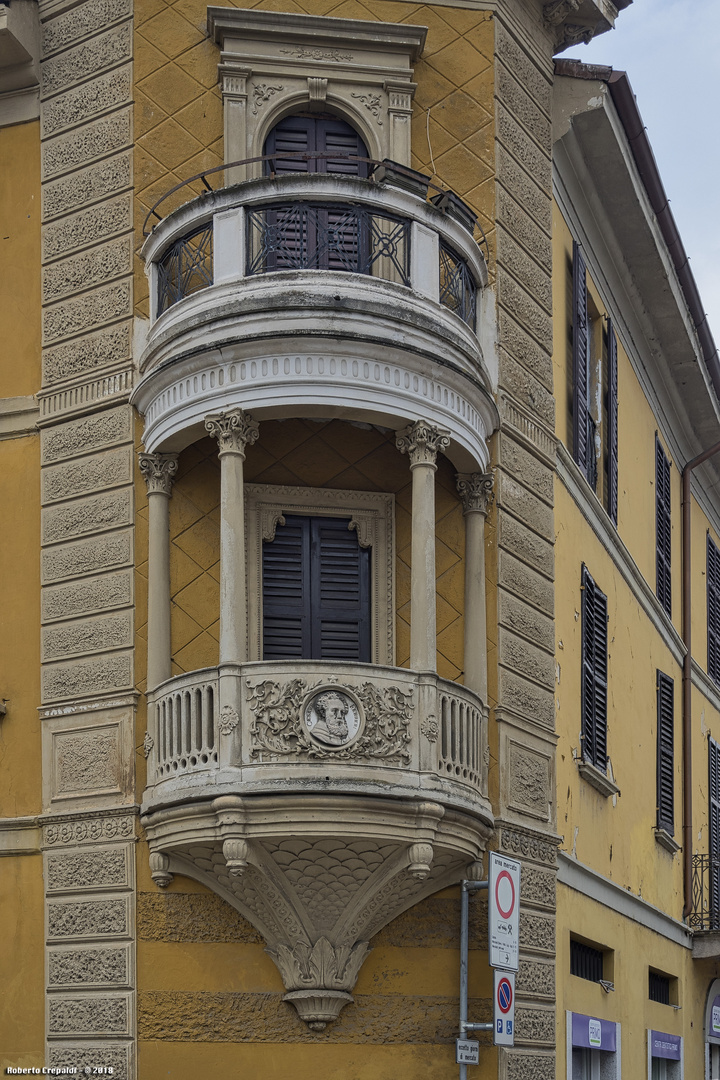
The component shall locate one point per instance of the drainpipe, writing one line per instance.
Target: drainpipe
(687, 674)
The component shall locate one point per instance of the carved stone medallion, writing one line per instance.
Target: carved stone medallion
(332, 717)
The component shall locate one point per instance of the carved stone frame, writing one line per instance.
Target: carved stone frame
(372, 513)
(274, 64)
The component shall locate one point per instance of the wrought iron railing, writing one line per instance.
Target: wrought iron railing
(302, 235)
(457, 287)
(705, 913)
(185, 268)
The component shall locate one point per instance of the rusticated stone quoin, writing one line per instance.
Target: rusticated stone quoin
(90, 636)
(94, 267)
(90, 58)
(87, 557)
(87, 101)
(96, 1015)
(89, 185)
(81, 21)
(86, 1055)
(104, 868)
(75, 315)
(94, 514)
(109, 347)
(88, 918)
(87, 227)
(78, 477)
(86, 435)
(78, 967)
(98, 676)
(111, 590)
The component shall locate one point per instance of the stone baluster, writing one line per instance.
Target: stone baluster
(422, 442)
(234, 430)
(476, 492)
(159, 471)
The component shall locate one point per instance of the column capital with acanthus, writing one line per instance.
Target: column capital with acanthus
(159, 471)
(422, 442)
(234, 430)
(476, 491)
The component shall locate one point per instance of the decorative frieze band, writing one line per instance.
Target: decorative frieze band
(73, 831)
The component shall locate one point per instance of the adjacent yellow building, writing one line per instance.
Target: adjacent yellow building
(352, 366)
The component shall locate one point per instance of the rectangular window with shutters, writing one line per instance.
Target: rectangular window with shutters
(594, 673)
(713, 610)
(665, 753)
(595, 391)
(662, 528)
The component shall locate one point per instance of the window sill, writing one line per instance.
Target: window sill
(665, 840)
(598, 779)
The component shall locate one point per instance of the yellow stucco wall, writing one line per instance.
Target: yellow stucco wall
(20, 262)
(178, 106)
(22, 961)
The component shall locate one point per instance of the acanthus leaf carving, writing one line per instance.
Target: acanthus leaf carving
(476, 491)
(159, 471)
(261, 94)
(320, 966)
(372, 103)
(422, 442)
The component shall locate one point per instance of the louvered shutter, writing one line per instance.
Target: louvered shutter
(594, 673)
(612, 411)
(580, 346)
(714, 788)
(316, 592)
(663, 543)
(340, 592)
(713, 610)
(286, 583)
(309, 135)
(665, 753)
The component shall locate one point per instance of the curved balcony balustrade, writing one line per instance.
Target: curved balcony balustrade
(319, 294)
(320, 799)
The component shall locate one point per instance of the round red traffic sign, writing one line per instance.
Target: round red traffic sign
(504, 995)
(505, 894)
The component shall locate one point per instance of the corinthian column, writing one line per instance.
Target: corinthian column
(422, 443)
(233, 431)
(159, 471)
(476, 493)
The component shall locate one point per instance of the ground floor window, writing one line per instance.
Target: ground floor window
(593, 1048)
(665, 1054)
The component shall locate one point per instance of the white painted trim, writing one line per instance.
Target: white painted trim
(589, 505)
(18, 416)
(589, 883)
(20, 836)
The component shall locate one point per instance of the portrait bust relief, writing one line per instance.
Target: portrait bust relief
(332, 718)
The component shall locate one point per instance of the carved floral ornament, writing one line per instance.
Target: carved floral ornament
(233, 430)
(159, 471)
(422, 442)
(330, 721)
(476, 491)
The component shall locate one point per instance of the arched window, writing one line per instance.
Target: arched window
(315, 134)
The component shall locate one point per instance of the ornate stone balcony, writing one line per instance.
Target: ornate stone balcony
(320, 799)
(326, 294)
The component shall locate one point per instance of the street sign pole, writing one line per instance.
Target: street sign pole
(466, 887)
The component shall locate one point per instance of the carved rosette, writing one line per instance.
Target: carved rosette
(234, 430)
(422, 442)
(159, 471)
(476, 491)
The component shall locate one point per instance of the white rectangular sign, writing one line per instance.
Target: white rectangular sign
(504, 1011)
(467, 1052)
(503, 912)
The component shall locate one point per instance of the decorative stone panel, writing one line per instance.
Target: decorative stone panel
(104, 349)
(91, 635)
(523, 1066)
(89, 968)
(537, 932)
(86, 1055)
(89, 185)
(535, 978)
(76, 315)
(81, 597)
(87, 435)
(524, 189)
(86, 920)
(87, 557)
(98, 1014)
(90, 515)
(65, 831)
(517, 578)
(87, 269)
(82, 21)
(92, 57)
(534, 1025)
(88, 764)
(527, 777)
(538, 887)
(90, 100)
(102, 470)
(99, 868)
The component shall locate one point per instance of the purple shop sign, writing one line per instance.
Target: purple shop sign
(715, 1018)
(593, 1033)
(665, 1046)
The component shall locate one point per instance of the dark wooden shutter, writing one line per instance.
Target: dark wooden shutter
(309, 135)
(713, 610)
(665, 753)
(714, 789)
(663, 536)
(340, 592)
(612, 412)
(594, 673)
(580, 345)
(316, 592)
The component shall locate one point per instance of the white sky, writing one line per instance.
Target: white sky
(671, 52)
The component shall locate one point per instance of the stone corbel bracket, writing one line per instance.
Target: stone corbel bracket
(574, 21)
(317, 875)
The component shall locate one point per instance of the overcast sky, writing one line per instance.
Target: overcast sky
(670, 50)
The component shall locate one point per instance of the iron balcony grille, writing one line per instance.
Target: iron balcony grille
(705, 914)
(319, 236)
(185, 268)
(457, 287)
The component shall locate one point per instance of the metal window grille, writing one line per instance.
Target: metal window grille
(186, 267)
(705, 914)
(585, 961)
(457, 287)
(659, 988)
(319, 236)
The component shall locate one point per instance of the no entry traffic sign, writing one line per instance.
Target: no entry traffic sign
(503, 911)
(504, 1010)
